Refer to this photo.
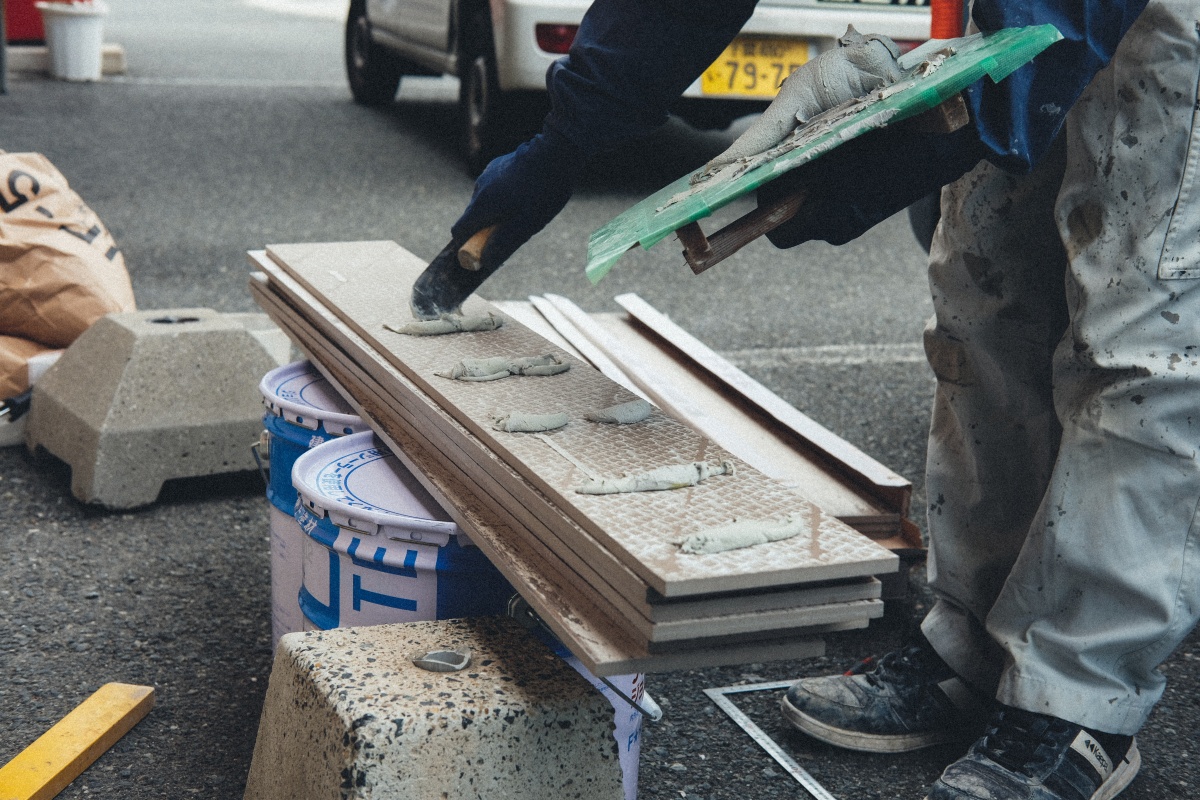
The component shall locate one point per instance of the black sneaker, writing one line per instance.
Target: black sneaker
(1027, 756)
(909, 700)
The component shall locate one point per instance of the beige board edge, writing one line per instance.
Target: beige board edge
(788, 597)
(785, 649)
(684, 650)
(758, 622)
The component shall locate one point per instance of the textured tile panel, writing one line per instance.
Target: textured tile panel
(368, 284)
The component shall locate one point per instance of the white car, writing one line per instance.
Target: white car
(500, 51)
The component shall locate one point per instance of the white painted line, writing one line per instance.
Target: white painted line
(319, 9)
(827, 355)
(228, 83)
(416, 89)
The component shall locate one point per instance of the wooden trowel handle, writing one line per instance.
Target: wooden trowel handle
(470, 255)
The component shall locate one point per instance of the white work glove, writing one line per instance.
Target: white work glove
(857, 66)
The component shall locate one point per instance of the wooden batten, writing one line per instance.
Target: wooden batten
(709, 401)
(865, 473)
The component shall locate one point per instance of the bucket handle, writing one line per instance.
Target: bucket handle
(261, 450)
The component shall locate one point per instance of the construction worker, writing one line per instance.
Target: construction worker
(1062, 472)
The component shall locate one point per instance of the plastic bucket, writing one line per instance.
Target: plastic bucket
(627, 720)
(75, 38)
(378, 549)
(303, 411)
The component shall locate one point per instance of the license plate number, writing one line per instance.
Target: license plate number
(753, 66)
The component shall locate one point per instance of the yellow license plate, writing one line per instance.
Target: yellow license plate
(753, 66)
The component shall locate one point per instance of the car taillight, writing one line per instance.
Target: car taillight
(555, 38)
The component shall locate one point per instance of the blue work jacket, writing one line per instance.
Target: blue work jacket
(604, 93)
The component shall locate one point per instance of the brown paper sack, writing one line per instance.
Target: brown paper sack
(60, 269)
(14, 364)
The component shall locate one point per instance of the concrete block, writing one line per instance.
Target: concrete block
(147, 396)
(348, 716)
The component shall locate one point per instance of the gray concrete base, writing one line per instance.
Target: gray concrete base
(347, 715)
(147, 396)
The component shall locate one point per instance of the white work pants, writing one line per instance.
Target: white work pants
(1063, 477)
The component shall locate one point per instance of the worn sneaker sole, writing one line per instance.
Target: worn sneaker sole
(868, 742)
(1122, 776)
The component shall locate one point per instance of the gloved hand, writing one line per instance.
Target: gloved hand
(519, 193)
(864, 181)
(857, 66)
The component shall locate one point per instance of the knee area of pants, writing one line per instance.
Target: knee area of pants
(947, 357)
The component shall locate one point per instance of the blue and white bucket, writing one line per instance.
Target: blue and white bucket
(378, 548)
(303, 411)
(627, 720)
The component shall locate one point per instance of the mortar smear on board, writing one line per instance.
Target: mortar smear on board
(449, 323)
(497, 367)
(520, 422)
(622, 413)
(857, 66)
(742, 533)
(675, 476)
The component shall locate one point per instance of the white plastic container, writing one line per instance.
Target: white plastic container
(627, 720)
(378, 548)
(75, 38)
(303, 411)
(13, 433)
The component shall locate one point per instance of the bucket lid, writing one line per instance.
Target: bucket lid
(81, 8)
(302, 396)
(358, 484)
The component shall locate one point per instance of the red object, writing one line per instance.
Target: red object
(23, 22)
(864, 666)
(945, 19)
(555, 38)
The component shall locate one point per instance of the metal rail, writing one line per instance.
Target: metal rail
(720, 697)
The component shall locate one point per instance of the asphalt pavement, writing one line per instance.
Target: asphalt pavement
(234, 129)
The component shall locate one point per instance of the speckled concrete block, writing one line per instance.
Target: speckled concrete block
(146, 396)
(347, 716)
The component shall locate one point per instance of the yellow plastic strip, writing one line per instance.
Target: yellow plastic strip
(42, 770)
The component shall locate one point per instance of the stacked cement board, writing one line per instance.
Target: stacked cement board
(605, 572)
